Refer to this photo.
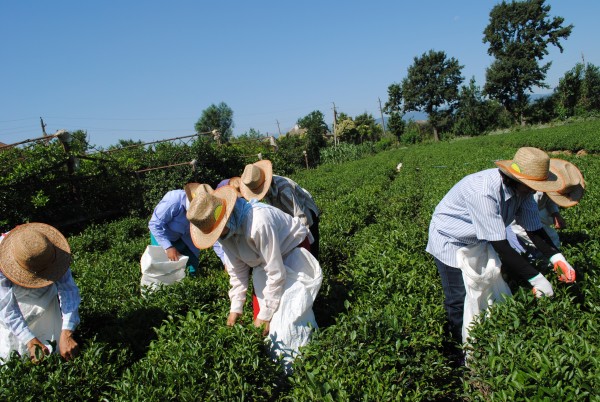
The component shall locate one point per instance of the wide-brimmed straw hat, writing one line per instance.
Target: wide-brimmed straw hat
(34, 255)
(192, 188)
(256, 180)
(208, 215)
(235, 183)
(531, 166)
(574, 183)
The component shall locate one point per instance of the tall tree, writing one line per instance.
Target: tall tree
(578, 91)
(519, 34)
(216, 117)
(368, 127)
(474, 113)
(316, 129)
(393, 108)
(431, 86)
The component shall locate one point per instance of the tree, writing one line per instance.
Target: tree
(216, 117)
(518, 34)
(316, 129)
(578, 91)
(368, 127)
(346, 131)
(431, 86)
(474, 113)
(393, 108)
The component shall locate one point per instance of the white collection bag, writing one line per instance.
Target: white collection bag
(41, 310)
(291, 325)
(158, 270)
(484, 285)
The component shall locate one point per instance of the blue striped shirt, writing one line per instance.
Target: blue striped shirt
(477, 209)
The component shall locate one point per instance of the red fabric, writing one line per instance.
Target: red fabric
(255, 307)
(305, 244)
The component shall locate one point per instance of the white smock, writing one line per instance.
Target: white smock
(41, 310)
(480, 266)
(286, 278)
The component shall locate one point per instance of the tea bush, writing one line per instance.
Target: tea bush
(382, 329)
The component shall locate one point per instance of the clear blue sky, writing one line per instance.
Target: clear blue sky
(145, 70)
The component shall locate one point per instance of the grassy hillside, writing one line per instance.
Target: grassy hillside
(380, 308)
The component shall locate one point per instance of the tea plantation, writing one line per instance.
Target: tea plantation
(380, 309)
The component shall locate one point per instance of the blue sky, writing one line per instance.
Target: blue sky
(145, 70)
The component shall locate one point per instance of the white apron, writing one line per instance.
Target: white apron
(480, 266)
(292, 323)
(41, 310)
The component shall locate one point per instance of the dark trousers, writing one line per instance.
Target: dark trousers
(454, 301)
(314, 230)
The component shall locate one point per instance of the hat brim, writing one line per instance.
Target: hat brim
(190, 189)
(552, 183)
(259, 192)
(204, 240)
(567, 197)
(47, 276)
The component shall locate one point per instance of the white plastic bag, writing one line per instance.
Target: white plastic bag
(484, 285)
(292, 323)
(158, 270)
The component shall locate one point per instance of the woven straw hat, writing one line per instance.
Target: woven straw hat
(34, 255)
(531, 166)
(235, 183)
(256, 179)
(574, 183)
(192, 188)
(208, 215)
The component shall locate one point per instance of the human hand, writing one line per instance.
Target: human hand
(232, 318)
(563, 269)
(541, 286)
(37, 350)
(262, 323)
(173, 254)
(68, 347)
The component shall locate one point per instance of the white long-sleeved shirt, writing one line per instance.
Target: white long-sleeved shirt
(264, 237)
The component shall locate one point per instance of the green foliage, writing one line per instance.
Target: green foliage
(380, 308)
(316, 128)
(578, 91)
(431, 85)
(475, 115)
(216, 117)
(518, 35)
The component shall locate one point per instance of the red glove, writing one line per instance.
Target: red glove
(563, 269)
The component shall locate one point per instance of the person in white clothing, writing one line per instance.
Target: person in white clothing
(39, 300)
(260, 238)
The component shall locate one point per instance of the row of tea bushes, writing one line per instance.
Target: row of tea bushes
(382, 334)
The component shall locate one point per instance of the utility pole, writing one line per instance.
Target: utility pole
(382, 119)
(278, 128)
(334, 125)
(43, 127)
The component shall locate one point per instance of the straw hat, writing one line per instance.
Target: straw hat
(192, 188)
(34, 255)
(256, 179)
(235, 183)
(531, 166)
(208, 214)
(574, 183)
